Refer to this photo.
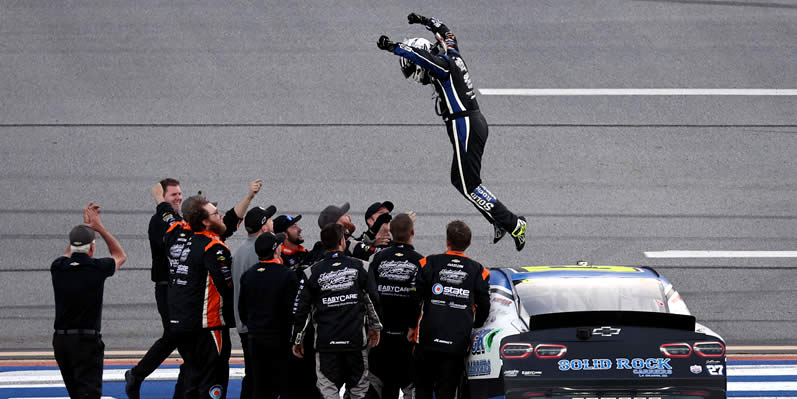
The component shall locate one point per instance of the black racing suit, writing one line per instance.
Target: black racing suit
(466, 126)
(394, 270)
(455, 297)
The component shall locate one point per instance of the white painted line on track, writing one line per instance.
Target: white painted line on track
(720, 254)
(762, 386)
(771, 369)
(638, 92)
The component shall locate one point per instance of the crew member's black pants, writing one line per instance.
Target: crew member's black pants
(334, 369)
(79, 358)
(437, 373)
(390, 366)
(163, 347)
(269, 358)
(468, 136)
(246, 382)
(207, 361)
(303, 379)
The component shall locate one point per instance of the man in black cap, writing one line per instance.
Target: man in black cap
(302, 378)
(268, 289)
(257, 221)
(377, 217)
(78, 283)
(293, 253)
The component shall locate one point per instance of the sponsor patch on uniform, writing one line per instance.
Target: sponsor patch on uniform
(437, 289)
(696, 369)
(216, 391)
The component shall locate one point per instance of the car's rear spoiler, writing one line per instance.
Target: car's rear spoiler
(613, 318)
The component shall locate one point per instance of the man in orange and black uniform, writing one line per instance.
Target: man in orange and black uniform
(293, 253)
(168, 195)
(455, 297)
(301, 377)
(201, 301)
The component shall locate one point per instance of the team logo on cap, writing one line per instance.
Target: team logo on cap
(216, 391)
(437, 289)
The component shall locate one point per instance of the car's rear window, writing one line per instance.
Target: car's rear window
(555, 295)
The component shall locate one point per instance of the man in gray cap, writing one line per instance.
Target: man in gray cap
(333, 214)
(257, 221)
(78, 283)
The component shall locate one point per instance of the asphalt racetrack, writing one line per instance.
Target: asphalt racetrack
(101, 99)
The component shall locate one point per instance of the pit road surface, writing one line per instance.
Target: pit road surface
(99, 100)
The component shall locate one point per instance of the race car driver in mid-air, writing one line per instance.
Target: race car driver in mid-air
(443, 66)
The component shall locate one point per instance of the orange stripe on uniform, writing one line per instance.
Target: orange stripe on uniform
(213, 242)
(180, 224)
(213, 305)
(485, 273)
(423, 262)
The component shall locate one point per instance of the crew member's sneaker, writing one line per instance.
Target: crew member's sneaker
(498, 233)
(132, 385)
(519, 234)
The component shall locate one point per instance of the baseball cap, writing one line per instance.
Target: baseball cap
(267, 243)
(282, 222)
(376, 206)
(331, 214)
(188, 201)
(257, 217)
(81, 235)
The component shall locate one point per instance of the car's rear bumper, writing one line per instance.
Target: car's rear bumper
(648, 388)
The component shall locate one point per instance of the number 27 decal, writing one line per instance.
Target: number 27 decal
(714, 369)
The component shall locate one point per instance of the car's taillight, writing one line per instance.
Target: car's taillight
(709, 349)
(676, 350)
(693, 393)
(516, 350)
(550, 351)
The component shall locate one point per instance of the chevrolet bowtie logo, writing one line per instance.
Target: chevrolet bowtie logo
(606, 331)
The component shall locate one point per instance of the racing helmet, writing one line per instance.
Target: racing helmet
(409, 68)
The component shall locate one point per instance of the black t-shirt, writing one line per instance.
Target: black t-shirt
(78, 284)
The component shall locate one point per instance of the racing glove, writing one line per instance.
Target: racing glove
(382, 219)
(414, 18)
(384, 43)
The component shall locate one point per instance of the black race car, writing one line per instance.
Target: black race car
(587, 331)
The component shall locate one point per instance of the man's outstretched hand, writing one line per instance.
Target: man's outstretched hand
(384, 43)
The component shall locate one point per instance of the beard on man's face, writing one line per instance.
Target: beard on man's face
(216, 227)
(295, 240)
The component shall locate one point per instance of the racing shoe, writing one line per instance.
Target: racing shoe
(519, 234)
(132, 385)
(498, 233)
